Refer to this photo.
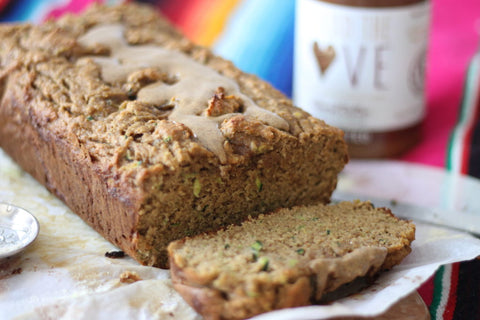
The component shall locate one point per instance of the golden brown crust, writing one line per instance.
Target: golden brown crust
(305, 289)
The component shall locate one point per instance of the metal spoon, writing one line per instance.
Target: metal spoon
(18, 229)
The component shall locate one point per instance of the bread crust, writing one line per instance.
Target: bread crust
(306, 288)
(51, 161)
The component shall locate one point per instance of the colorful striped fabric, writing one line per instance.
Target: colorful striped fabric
(257, 35)
(200, 20)
(228, 27)
(464, 144)
(37, 11)
(456, 288)
(453, 293)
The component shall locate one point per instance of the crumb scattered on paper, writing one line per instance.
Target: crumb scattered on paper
(129, 277)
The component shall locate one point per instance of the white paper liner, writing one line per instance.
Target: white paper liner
(64, 274)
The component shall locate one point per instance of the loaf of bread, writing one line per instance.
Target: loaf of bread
(150, 138)
(294, 257)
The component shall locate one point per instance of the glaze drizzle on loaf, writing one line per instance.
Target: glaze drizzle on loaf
(193, 86)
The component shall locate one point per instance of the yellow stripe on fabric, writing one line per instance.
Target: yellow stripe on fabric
(212, 18)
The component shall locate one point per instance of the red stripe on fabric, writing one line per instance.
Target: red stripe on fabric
(72, 6)
(3, 3)
(181, 12)
(452, 296)
(426, 291)
(174, 10)
(466, 150)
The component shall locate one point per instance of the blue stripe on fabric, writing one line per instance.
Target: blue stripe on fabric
(259, 40)
(19, 10)
(28, 10)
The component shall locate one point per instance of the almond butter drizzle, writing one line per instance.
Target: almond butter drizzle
(195, 85)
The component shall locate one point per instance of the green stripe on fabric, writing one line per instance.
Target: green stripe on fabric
(448, 162)
(463, 113)
(454, 156)
(437, 292)
(469, 87)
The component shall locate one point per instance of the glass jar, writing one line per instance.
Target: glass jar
(359, 65)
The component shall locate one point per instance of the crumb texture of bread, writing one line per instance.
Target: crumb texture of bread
(287, 259)
(149, 137)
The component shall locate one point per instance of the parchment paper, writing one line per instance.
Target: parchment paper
(64, 274)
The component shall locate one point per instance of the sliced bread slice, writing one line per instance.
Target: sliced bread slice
(293, 257)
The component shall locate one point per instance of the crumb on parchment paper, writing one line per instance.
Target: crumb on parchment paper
(129, 277)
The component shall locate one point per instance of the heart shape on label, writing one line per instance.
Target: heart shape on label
(324, 57)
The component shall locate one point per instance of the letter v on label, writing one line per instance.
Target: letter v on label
(354, 64)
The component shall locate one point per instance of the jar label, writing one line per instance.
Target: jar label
(358, 68)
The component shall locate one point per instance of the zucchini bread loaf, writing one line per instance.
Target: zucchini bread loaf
(294, 257)
(150, 138)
